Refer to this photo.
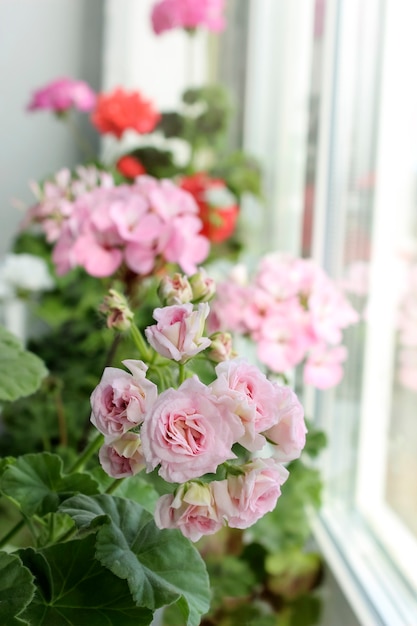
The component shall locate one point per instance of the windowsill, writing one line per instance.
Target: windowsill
(376, 592)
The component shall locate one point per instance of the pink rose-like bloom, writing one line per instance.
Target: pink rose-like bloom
(188, 432)
(289, 433)
(323, 367)
(251, 495)
(251, 396)
(178, 334)
(189, 14)
(120, 400)
(122, 457)
(63, 94)
(192, 510)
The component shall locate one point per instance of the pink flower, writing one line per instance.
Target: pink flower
(189, 14)
(175, 289)
(178, 334)
(141, 225)
(289, 433)
(283, 338)
(120, 400)
(323, 367)
(122, 457)
(63, 94)
(192, 509)
(407, 371)
(250, 396)
(252, 494)
(188, 432)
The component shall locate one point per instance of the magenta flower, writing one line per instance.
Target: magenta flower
(63, 94)
(188, 14)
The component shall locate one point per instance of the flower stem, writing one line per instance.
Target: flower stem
(92, 447)
(12, 532)
(114, 485)
(181, 373)
(140, 343)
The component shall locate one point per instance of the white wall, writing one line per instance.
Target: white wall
(39, 41)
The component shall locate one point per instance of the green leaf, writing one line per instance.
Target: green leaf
(36, 483)
(16, 589)
(316, 440)
(21, 372)
(74, 589)
(152, 561)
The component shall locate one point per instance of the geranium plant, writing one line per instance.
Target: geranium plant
(212, 437)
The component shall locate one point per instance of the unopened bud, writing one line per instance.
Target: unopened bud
(175, 289)
(221, 347)
(116, 308)
(204, 287)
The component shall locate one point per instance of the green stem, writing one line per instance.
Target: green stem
(181, 373)
(144, 350)
(114, 485)
(92, 447)
(12, 532)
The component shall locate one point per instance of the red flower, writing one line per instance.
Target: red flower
(120, 110)
(218, 207)
(130, 167)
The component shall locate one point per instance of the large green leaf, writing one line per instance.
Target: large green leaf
(73, 589)
(21, 372)
(16, 589)
(161, 566)
(37, 484)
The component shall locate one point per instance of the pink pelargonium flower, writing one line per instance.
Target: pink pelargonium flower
(63, 94)
(122, 457)
(289, 433)
(189, 14)
(178, 334)
(188, 432)
(323, 367)
(252, 494)
(141, 225)
(192, 509)
(120, 400)
(251, 396)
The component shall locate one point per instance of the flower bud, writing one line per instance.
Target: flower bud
(221, 348)
(175, 289)
(116, 308)
(203, 287)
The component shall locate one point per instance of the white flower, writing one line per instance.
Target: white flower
(25, 272)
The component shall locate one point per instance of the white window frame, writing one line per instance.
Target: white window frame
(358, 541)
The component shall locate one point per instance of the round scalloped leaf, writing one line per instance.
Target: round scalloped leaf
(152, 560)
(16, 589)
(37, 483)
(21, 372)
(74, 589)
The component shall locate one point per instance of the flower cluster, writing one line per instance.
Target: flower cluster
(141, 225)
(63, 94)
(223, 443)
(120, 110)
(23, 273)
(293, 311)
(56, 197)
(188, 14)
